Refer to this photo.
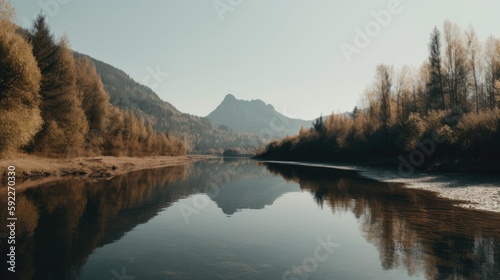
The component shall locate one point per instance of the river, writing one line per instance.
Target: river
(243, 219)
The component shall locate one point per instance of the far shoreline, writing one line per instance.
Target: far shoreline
(451, 165)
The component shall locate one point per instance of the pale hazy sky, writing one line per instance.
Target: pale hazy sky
(285, 52)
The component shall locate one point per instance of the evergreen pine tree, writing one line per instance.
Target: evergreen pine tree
(60, 105)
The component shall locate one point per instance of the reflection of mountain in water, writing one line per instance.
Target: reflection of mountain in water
(241, 184)
(411, 229)
(251, 193)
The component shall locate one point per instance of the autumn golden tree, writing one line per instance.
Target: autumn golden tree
(492, 71)
(113, 140)
(455, 65)
(19, 86)
(404, 93)
(95, 102)
(473, 52)
(60, 106)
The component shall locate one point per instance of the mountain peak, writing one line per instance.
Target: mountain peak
(254, 116)
(229, 97)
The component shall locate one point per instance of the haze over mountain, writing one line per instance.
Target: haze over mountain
(255, 116)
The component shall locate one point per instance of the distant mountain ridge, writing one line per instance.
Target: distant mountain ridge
(255, 116)
(202, 135)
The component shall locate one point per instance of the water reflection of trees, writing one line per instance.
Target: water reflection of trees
(60, 224)
(412, 229)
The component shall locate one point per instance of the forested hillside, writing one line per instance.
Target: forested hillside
(447, 109)
(56, 102)
(201, 134)
(54, 105)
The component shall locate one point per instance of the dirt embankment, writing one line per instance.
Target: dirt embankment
(29, 168)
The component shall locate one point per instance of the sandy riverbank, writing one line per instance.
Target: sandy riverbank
(38, 169)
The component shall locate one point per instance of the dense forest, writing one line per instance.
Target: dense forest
(447, 108)
(54, 105)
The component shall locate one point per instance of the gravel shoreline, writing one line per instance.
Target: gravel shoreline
(474, 191)
(469, 190)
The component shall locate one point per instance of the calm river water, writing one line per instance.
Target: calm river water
(242, 219)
